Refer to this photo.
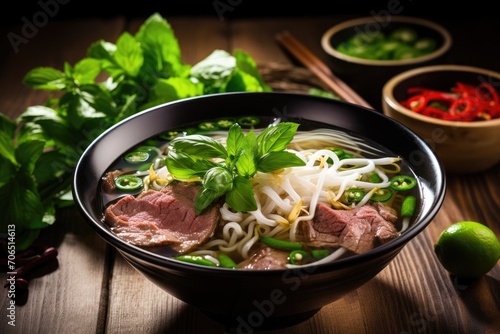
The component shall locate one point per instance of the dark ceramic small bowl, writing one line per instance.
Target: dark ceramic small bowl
(367, 76)
(258, 298)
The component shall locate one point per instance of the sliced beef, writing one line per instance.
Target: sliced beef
(358, 230)
(108, 181)
(163, 217)
(265, 259)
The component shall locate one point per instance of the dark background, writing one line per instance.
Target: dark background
(12, 12)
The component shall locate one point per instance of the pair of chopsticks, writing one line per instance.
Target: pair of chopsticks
(320, 69)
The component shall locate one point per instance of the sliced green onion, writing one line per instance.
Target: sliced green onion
(226, 261)
(408, 206)
(196, 260)
(318, 254)
(281, 244)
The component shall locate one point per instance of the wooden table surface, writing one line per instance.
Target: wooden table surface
(93, 290)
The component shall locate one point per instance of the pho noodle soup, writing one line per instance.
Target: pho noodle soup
(239, 194)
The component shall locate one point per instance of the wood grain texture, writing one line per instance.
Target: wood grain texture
(94, 290)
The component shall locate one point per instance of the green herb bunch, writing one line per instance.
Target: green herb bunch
(39, 150)
(228, 170)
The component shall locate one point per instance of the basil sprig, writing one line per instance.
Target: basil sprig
(228, 170)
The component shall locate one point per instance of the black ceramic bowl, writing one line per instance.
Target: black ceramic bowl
(367, 76)
(258, 298)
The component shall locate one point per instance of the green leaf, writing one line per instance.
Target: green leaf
(199, 146)
(174, 88)
(241, 196)
(243, 82)
(46, 78)
(27, 154)
(183, 166)
(276, 137)
(7, 170)
(21, 206)
(247, 161)
(51, 166)
(215, 70)
(218, 179)
(129, 54)
(7, 126)
(86, 70)
(235, 139)
(247, 64)
(7, 148)
(276, 160)
(100, 99)
(157, 38)
(204, 198)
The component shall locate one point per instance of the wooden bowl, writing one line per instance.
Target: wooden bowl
(463, 147)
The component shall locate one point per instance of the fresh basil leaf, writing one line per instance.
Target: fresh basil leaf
(241, 81)
(100, 99)
(27, 154)
(276, 137)
(215, 70)
(204, 198)
(7, 126)
(276, 160)
(7, 170)
(183, 166)
(247, 160)
(241, 196)
(86, 70)
(199, 146)
(46, 78)
(7, 148)
(129, 54)
(172, 89)
(21, 205)
(36, 112)
(218, 179)
(235, 139)
(247, 64)
(157, 38)
(50, 168)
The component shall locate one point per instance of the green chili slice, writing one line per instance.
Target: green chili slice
(382, 195)
(128, 182)
(208, 126)
(226, 261)
(248, 121)
(403, 182)
(136, 157)
(354, 195)
(281, 244)
(297, 256)
(225, 123)
(196, 260)
(408, 206)
(318, 254)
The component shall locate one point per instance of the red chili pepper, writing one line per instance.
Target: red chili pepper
(465, 103)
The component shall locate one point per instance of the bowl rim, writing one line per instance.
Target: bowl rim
(158, 260)
(327, 47)
(390, 100)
